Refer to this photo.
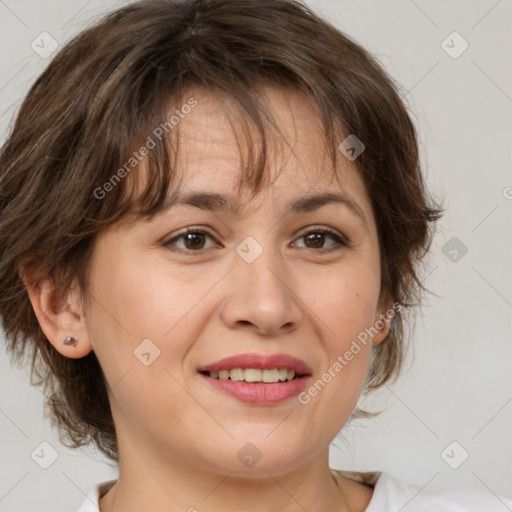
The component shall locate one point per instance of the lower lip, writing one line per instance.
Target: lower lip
(259, 393)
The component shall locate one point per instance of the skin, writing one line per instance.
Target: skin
(179, 437)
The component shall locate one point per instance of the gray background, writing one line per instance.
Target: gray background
(459, 386)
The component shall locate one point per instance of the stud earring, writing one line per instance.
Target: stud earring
(69, 340)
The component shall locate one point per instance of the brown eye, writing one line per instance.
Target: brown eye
(192, 240)
(316, 239)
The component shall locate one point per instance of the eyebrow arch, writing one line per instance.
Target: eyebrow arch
(315, 201)
(220, 202)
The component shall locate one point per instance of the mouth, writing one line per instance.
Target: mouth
(266, 376)
(258, 379)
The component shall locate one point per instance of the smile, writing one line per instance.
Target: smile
(258, 379)
(268, 376)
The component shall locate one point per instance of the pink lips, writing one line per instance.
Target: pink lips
(259, 393)
(259, 361)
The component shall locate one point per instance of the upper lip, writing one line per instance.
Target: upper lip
(251, 360)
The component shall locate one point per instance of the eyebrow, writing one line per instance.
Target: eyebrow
(220, 202)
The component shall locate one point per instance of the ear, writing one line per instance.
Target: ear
(58, 313)
(383, 318)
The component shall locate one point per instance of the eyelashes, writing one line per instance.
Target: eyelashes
(194, 240)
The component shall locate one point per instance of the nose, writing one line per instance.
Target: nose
(261, 296)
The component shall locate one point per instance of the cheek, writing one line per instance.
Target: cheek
(133, 303)
(142, 325)
(346, 302)
(345, 310)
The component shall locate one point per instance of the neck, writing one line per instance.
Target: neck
(150, 480)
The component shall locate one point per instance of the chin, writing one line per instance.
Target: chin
(260, 454)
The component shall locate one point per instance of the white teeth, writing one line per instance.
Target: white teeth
(252, 375)
(269, 376)
(236, 374)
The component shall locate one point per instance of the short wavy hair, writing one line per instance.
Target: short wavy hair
(102, 95)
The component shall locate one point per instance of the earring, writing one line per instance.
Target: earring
(69, 340)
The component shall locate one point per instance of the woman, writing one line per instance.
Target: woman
(212, 216)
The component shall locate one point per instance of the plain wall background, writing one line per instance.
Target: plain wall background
(459, 386)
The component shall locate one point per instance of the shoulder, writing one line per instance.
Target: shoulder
(392, 494)
(91, 502)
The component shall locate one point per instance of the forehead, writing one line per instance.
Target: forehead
(212, 139)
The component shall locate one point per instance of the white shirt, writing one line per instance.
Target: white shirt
(389, 495)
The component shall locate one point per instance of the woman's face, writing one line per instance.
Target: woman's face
(266, 281)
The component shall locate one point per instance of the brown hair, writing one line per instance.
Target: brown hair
(105, 92)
